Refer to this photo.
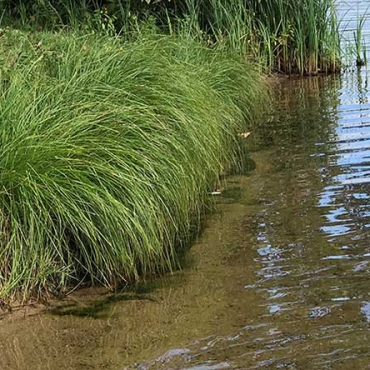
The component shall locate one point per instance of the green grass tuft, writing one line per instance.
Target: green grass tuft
(109, 149)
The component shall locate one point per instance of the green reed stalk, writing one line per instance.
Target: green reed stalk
(290, 37)
(359, 44)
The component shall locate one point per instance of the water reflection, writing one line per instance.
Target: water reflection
(317, 277)
(308, 304)
(346, 197)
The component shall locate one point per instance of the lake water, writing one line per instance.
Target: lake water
(295, 240)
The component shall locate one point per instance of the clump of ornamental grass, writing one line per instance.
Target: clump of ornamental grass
(109, 150)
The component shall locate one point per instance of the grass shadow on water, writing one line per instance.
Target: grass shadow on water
(232, 194)
(98, 309)
(100, 306)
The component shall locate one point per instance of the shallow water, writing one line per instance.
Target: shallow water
(280, 278)
(296, 240)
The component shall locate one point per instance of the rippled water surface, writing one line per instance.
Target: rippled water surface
(298, 249)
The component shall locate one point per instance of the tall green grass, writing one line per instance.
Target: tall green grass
(109, 150)
(300, 37)
(288, 36)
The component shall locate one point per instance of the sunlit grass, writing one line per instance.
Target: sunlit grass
(108, 152)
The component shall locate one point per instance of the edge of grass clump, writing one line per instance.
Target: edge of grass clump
(109, 149)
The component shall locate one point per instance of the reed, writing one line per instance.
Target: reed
(299, 37)
(360, 46)
(109, 149)
(287, 36)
